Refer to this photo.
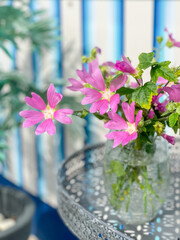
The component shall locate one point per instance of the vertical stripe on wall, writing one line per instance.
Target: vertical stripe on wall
(91, 18)
(159, 23)
(58, 59)
(88, 11)
(116, 29)
(38, 139)
(170, 24)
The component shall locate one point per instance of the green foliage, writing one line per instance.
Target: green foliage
(177, 71)
(171, 106)
(159, 127)
(178, 110)
(163, 70)
(117, 168)
(143, 95)
(173, 118)
(13, 89)
(146, 60)
(16, 23)
(125, 91)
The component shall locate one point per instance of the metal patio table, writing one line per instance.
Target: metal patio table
(84, 207)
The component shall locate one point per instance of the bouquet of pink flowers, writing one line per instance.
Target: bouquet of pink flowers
(132, 108)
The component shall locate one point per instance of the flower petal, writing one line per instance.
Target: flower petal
(135, 84)
(92, 95)
(114, 101)
(46, 126)
(117, 136)
(116, 122)
(33, 117)
(60, 116)
(53, 97)
(66, 111)
(151, 114)
(36, 102)
(118, 82)
(109, 64)
(76, 85)
(82, 74)
(129, 111)
(101, 106)
(170, 139)
(129, 138)
(174, 92)
(161, 80)
(95, 77)
(31, 114)
(125, 66)
(138, 117)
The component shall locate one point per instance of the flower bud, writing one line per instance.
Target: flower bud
(84, 59)
(159, 39)
(159, 127)
(141, 123)
(171, 106)
(169, 44)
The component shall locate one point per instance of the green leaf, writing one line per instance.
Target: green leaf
(146, 60)
(177, 73)
(164, 63)
(162, 70)
(143, 95)
(173, 119)
(175, 128)
(125, 91)
(178, 110)
(117, 168)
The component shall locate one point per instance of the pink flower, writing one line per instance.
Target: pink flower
(77, 85)
(128, 129)
(151, 114)
(125, 66)
(100, 96)
(171, 39)
(170, 139)
(173, 92)
(160, 102)
(48, 113)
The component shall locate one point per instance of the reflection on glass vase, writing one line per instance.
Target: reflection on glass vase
(137, 181)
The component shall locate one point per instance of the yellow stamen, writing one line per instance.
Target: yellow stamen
(48, 113)
(107, 94)
(131, 128)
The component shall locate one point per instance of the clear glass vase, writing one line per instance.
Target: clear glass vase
(137, 181)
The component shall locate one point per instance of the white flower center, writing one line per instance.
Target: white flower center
(107, 94)
(131, 128)
(48, 113)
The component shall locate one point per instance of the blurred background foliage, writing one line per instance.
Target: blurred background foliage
(42, 31)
